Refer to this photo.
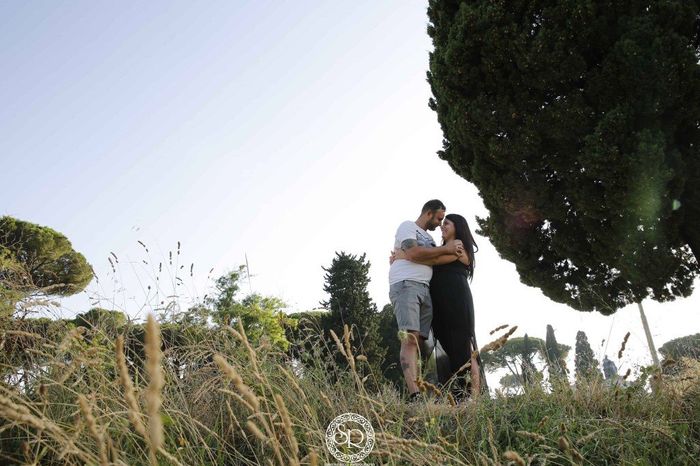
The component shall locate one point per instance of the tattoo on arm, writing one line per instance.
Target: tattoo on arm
(408, 244)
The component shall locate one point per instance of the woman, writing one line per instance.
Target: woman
(453, 312)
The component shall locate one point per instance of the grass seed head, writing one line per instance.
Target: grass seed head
(155, 385)
(624, 344)
(513, 456)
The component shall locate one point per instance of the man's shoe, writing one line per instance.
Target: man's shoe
(414, 398)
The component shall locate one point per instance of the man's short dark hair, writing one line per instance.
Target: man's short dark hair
(433, 205)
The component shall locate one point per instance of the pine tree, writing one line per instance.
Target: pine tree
(516, 355)
(577, 122)
(37, 261)
(584, 359)
(349, 303)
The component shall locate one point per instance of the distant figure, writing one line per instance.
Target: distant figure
(609, 368)
(409, 280)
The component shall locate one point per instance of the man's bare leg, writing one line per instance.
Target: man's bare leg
(409, 359)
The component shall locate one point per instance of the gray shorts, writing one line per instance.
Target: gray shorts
(412, 306)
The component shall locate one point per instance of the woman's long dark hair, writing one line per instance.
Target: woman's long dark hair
(464, 234)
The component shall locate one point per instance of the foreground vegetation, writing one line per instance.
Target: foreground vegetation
(232, 381)
(91, 396)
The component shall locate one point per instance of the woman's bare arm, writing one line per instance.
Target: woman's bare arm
(440, 260)
(464, 259)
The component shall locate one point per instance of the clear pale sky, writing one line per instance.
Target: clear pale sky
(284, 131)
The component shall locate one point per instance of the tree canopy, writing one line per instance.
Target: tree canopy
(578, 123)
(35, 261)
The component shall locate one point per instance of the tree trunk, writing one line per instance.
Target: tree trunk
(650, 341)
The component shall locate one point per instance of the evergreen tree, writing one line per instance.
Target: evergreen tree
(37, 261)
(555, 356)
(577, 122)
(346, 282)
(683, 347)
(584, 359)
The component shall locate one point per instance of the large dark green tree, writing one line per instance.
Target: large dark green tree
(37, 261)
(578, 123)
(346, 282)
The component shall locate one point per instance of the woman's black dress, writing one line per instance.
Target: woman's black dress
(453, 323)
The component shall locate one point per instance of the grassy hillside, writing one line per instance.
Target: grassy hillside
(83, 396)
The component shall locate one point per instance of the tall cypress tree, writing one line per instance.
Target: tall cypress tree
(555, 356)
(577, 122)
(584, 359)
(346, 282)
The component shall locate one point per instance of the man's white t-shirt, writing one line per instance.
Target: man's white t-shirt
(407, 270)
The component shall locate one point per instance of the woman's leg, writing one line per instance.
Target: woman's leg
(457, 350)
(474, 370)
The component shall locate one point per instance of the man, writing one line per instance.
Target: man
(409, 282)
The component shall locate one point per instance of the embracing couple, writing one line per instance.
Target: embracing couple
(429, 288)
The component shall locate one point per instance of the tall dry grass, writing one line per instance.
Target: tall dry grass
(84, 397)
